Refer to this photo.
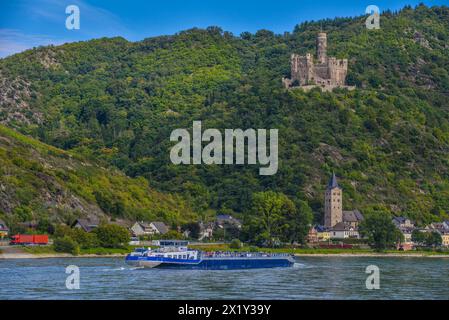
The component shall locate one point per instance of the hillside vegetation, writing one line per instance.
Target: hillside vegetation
(117, 102)
(42, 182)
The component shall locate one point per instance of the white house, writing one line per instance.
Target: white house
(144, 228)
(344, 231)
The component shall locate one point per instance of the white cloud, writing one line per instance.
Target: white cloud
(96, 22)
(13, 41)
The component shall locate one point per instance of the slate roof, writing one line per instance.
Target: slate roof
(321, 228)
(333, 183)
(87, 224)
(352, 216)
(160, 226)
(341, 226)
(400, 220)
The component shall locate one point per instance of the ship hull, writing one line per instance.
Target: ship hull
(211, 264)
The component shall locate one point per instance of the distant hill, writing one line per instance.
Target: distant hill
(117, 102)
(40, 181)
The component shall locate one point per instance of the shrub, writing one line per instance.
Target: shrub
(172, 234)
(85, 239)
(66, 244)
(235, 244)
(112, 235)
(253, 249)
(62, 230)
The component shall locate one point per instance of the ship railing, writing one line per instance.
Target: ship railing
(230, 254)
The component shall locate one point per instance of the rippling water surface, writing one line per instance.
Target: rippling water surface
(310, 278)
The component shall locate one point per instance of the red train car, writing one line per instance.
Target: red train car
(29, 239)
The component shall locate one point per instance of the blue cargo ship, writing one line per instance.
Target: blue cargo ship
(176, 255)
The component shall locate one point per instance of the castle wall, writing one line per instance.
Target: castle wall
(327, 71)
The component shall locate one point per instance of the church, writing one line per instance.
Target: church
(340, 223)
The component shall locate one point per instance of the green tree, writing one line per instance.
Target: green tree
(380, 230)
(85, 239)
(194, 228)
(418, 237)
(433, 239)
(268, 217)
(66, 244)
(45, 226)
(172, 234)
(297, 222)
(62, 230)
(112, 235)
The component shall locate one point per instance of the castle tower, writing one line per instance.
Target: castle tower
(321, 47)
(333, 205)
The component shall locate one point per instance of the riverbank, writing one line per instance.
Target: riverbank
(320, 252)
(12, 252)
(48, 252)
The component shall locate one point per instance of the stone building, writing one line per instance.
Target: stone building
(334, 215)
(326, 72)
(333, 211)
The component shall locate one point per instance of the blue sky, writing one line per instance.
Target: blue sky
(28, 23)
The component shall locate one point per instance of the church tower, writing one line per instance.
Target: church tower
(333, 205)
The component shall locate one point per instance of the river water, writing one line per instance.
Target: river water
(310, 278)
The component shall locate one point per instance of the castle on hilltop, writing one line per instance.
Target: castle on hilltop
(326, 72)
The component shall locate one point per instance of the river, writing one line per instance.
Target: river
(310, 278)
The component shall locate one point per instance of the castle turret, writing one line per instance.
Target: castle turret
(321, 47)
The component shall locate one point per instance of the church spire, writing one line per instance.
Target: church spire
(333, 183)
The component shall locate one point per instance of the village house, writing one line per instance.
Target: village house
(312, 235)
(445, 238)
(402, 222)
(87, 225)
(352, 218)
(406, 227)
(144, 228)
(437, 226)
(407, 243)
(318, 234)
(446, 224)
(4, 230)
(442, 228)
(323, 234)
(344, 231)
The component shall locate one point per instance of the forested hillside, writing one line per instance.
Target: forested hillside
(40, 182)
(117, 102)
